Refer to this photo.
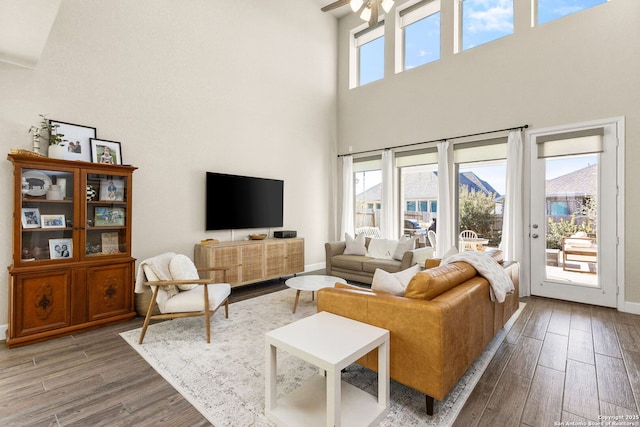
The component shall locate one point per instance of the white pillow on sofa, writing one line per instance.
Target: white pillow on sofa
(404, 244)
(182, 268)
(393, 283)
(355, 246)
(382, 248)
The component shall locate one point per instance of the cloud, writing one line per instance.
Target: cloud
(488, 15)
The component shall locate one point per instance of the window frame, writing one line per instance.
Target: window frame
(410, 13)
(358, 37)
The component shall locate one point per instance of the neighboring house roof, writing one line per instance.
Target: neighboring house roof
(424, 186)
(582, 182)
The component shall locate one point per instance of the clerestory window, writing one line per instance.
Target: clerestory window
(367, 55)
(482, 21)
(418, 34)
(549, 10)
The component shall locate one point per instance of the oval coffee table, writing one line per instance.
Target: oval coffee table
(312, 282)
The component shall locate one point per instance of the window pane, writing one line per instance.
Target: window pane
(371, 61)
(571, 193)
(367, 191)
(485, 20)
(548, 10)
(419, 189)
(480, 200)
(422, 41)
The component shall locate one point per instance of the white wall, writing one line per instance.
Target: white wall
(579, 68)
(243, 87)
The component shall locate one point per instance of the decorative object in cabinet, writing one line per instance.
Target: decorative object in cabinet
(71, 270)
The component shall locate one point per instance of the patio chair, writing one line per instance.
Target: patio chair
(465, 244)
(431, 235)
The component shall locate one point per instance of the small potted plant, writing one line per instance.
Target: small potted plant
(57, 144)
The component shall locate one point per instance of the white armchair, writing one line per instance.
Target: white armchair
(178, 290)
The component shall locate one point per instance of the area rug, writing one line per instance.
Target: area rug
(224, 380)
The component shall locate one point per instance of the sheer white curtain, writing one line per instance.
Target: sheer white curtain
(513, 222)
(387, 213)
(444, 238)
(348, 203)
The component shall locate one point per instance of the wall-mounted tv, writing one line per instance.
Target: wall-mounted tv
(234, 202)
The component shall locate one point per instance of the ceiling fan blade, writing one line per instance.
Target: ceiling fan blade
(373, 20)
(335, 5)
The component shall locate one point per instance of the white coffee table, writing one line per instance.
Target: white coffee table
(313, 283)
(330, 342)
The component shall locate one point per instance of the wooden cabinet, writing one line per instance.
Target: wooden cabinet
(72, 266)
(251, 261)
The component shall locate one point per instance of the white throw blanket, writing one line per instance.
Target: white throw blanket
(159, 266)
(487, 267)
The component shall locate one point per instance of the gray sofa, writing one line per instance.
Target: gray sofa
(360, 268)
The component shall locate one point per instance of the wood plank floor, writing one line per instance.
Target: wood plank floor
(560, 362)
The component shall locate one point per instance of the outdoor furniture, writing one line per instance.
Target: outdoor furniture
(431, 235)
(579, 249)
(469, 241)
(373, 232)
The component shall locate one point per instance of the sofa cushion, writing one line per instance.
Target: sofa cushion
(349, 262)
(435, 281)
(390, 265)
(355, 246)
(393, 283)
(404, 244)
(382, 248)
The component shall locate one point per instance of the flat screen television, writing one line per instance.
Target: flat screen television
(234, 202)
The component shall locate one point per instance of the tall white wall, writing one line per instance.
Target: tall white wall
(579, 68)
(243, 87)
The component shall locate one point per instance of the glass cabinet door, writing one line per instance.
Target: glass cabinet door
(106, 231)
(47, 215)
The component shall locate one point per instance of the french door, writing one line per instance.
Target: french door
(573, 219)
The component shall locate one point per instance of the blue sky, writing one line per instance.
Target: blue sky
(482, 22)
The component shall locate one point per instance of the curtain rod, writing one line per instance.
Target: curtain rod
(436, 140)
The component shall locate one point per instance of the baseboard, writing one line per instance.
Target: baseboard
(3, 332)
(631, 307)
(314, 267)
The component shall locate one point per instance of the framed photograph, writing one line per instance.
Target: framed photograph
(108, 216)
(78, 139)
(31, 218)
(60, 248)
(112, 189)
(106, 152)
(110, 243)
(52, 221)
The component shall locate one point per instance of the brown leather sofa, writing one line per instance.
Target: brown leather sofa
(438, 328)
